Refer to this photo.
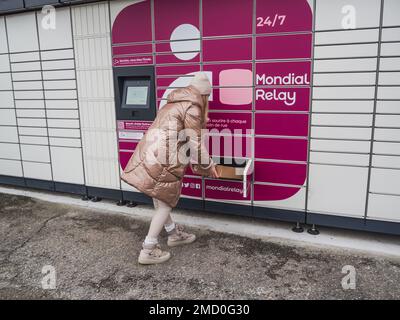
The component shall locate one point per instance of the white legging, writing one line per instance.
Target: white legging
(160, 218)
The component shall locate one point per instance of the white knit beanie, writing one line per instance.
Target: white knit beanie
(201, 82)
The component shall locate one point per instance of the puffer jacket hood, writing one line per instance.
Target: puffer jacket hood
(155, 167)
(188, 94)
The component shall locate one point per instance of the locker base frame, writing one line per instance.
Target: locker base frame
(361, 224)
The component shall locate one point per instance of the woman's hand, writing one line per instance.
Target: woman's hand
(214, 172)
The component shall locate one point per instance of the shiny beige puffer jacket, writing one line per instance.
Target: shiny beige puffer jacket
(158, 164)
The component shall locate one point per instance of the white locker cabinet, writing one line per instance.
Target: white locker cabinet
(360, 93)
(28, 95)
(389, 121)
(61, 104)
(389, 93)
(33, 140)
(31, 113)
(65, 142)
(25, 131)
(63, 123)
(64, 133)
(25, 66)
(67, 165)
(390, 49)
(338, 190)
(382, 134)
(26, 122)
(61, 84)
(60, 94)
(57, 65)
(8, 134)
(62, 114)
(389, 78)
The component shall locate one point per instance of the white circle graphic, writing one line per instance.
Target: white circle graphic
(185, 49)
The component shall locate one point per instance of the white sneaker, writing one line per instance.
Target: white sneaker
(153, 255)
(180, 237)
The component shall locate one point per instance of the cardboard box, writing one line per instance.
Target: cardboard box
(230, 172)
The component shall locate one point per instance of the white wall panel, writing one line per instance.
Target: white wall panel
(22, 32)
(343, 79)
(391, 34)
(346, 36)
(32, 131)
(25, 66)
(344, 93)
(6, 99)
(384, 207)
(338, 189)
(27, 76)
(354, 120)
(5, 81)
(9, 151)
(8, 134)
(31, 113)
(37, 170)
(387, 134)
(389, 64)
(339, 158)
(4, 63)
(391, 11)
(62, 104)
(389, 78)
(392, 148)
(10, 168)
(28, 85)
(29, 104)
(25, 56)
(341, 133)
(58, 64)
(27, 122)
(61, 36)
(386, 161)
(389, 93)
(58, 75)
(385, 181)
(7, 117)
(330, 15)
(35, 153)
(67, 165)
(95, 87)
(340, 65)
(57, 54)
(344, 51)
(34, 140)
(340, 146)
(66, 142)
(28, 95)
(3, 37)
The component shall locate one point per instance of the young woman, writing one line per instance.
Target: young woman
(158, 164)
